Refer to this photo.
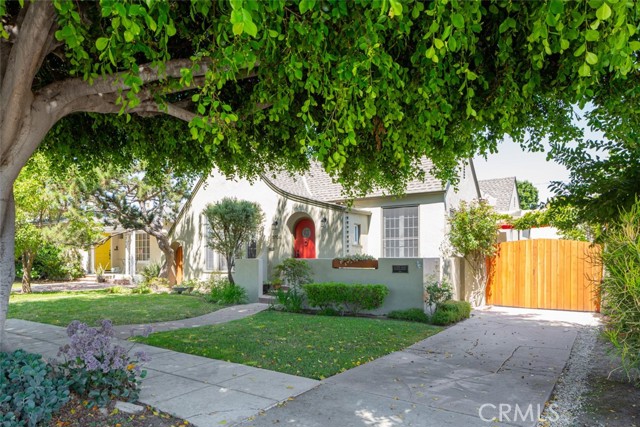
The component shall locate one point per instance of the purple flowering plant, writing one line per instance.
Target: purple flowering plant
(99, 370)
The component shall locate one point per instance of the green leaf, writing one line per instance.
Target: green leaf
(396, 8)
(635, 45)
(251, 28)
(604, 12)
(458, 21)
(238, 28)
(584, 70)
(556, 6)
(273, 33)
(438, 43)
(101, 43)
(579, 51)
(591, 58)
(591, 35)
(452, 43)
(306, 5)
(128, 37)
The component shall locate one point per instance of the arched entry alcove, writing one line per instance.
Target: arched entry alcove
(304, 238)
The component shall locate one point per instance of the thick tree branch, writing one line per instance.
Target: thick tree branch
(23, 61)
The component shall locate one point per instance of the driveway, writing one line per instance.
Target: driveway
(497, 368)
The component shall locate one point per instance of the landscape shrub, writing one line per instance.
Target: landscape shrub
(98, 370)
(436, 292)
(53, 262)
(150, 271)
(620, 289)
(411, 315)
(115, 290)
(142, 288)
(345, 297)
(227, 293)
(30, 390)
(450, 312)
(292, 273)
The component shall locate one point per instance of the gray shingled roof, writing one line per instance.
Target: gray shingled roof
(316, 184)
(498, 192)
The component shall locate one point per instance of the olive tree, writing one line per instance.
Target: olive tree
(232, 224)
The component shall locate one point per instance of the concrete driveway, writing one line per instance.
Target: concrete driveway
(497, 368)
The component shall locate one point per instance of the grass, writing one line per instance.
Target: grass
(60, 308)
(309, 346)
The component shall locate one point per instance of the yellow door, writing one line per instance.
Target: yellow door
(103, 255)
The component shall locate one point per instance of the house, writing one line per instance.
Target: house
(123, 251)
(502, 194)
(308, 217)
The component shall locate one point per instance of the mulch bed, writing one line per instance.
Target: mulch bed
(76, 414)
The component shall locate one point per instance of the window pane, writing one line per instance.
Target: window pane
(142, 247)
(400, 234)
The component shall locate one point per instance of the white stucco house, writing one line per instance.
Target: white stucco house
(124, 252)
(308, 217)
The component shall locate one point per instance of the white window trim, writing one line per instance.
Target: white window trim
(382, 226)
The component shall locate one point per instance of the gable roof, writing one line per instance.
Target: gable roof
(498, 192)
(316, 184)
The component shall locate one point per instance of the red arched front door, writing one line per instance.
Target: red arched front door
(305, 241)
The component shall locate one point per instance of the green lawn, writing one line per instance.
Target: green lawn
(60, 308)
(298, 344)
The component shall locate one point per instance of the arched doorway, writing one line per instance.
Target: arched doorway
(304, 244)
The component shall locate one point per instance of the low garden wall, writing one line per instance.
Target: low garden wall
(248, 274)
(405, 288)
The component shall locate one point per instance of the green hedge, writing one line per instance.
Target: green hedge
(451, 312)
(345, 297)
(411, 315)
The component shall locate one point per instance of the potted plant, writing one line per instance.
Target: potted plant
(355, 261)
(100, 278)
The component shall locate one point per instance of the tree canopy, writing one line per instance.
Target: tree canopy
(528, 195)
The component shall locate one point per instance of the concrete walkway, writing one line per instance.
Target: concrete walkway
(221, 316)
(459, 377)
(203, 391)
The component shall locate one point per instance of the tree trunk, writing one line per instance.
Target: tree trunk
(27, 264)
(7, 244)
(230, 262)
(169, 265)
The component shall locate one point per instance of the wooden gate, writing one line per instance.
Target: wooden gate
(545, 273)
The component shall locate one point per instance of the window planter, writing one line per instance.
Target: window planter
(367, 263)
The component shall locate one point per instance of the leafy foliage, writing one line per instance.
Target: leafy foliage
(232, 224)
(411, 315)
(528, 195)
(356, 257)
(227, 293)
(50, 221)
(345, 297)
(474, 231)
(563, 217)
(620, 288)
(465, 72)
(30, 390)
(437, 291)
(99, 370)
(294, 272)
(450, 312)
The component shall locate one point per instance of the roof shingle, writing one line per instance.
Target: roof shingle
(498, 192)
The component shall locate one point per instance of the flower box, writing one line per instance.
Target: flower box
(366, 263)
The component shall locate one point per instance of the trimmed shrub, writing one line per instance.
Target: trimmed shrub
(98, 370)
(411, 315)
(345, 297)
(227, 293)
(150, 271)
(450, 312)
(116, 290)
(30, 391)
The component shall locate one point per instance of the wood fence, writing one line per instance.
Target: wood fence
(545, 273)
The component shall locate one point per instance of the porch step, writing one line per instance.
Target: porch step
(267, 299)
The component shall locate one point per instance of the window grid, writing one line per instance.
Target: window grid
(401, 235)
(142, 247)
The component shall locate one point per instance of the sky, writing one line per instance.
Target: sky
(511, 160)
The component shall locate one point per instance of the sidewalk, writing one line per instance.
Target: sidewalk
(203, 391)
(221, 316)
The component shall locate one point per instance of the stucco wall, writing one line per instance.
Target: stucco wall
(466, 189)
(248, 274)
(431, 219)
(406, 289)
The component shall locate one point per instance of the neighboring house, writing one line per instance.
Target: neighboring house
(123, 252)
(502, 194)
(308, 217)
